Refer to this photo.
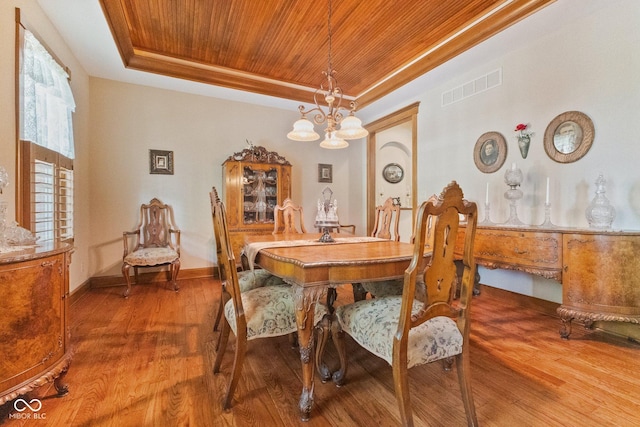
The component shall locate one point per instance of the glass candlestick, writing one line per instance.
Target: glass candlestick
(547, 216)
(487, 214)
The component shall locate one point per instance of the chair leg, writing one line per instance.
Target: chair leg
(463, 366)
(221, 346)
(218, 315)
(358, 292)
(224, 297)
(175, 268)
(401, 381)
(241, 351)
(324, 329)
(127, 278)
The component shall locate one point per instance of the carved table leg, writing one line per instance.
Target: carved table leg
(337, 335)
(305, 305)
(324, 329)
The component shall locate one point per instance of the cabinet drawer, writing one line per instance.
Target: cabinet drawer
(524, 248)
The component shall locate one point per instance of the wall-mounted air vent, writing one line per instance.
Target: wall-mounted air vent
(474, 87)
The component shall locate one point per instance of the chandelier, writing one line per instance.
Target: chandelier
(350, 126)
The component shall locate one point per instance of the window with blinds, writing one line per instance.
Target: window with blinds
(48, 201)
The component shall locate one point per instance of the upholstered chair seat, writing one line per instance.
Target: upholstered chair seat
(258, 278)
(151, 256)
(373, 323)
(270, 312)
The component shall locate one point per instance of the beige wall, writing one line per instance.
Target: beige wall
(40, 25)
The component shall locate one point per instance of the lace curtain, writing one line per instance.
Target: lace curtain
(47, 100)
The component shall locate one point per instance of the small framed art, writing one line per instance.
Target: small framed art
(325, 173)
(161, 162)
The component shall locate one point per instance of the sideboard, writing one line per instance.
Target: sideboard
(34, 332)
(599, 270)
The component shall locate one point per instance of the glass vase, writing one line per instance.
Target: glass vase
(600, 213)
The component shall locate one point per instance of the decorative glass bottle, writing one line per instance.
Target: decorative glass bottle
(600, 213)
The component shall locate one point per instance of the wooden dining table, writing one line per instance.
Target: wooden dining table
(313, 267)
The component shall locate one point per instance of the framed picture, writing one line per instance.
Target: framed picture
(325, 173)
(568, 137)
(393, 173)
(161, 162)
(490, 152)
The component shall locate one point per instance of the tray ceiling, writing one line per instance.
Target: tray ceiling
(280, 47)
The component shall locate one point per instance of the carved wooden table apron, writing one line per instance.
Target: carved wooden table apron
(313, 269)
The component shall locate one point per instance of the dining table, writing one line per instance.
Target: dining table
(314, 267)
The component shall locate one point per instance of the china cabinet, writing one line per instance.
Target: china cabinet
(254, 182)
(34, 333)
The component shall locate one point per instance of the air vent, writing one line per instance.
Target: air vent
(474, 87)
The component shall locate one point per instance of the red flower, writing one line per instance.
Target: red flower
(520, 127)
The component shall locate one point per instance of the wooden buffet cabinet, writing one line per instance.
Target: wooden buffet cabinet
(34, 332)
(599, 270)
(255, 181)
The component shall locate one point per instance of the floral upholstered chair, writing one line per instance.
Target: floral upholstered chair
(407, 332)
(263, 312)
(247, 280)
(156, 242)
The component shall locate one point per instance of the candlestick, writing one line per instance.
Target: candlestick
(546, 200)
(513, 166)
(547, 217)
(486, 198)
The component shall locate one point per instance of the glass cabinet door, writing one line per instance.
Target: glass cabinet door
(260, 187)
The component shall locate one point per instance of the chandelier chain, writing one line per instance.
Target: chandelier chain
(329, 37)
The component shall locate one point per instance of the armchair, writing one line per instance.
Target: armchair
(156, 242)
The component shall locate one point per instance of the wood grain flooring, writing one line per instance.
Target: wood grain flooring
(146, 361)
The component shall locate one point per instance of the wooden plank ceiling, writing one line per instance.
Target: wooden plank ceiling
(280, 47)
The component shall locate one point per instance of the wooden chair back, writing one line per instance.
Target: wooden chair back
(226, 261)
(438, 220)
(288, 218)
(155, 226)
(387, 221)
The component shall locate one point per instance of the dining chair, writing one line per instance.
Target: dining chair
(407, 332)
(264, 312)
(288, 218)
(247, 279)
(386, 225)
(156, 241)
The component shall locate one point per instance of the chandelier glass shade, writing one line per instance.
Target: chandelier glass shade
(350, 126)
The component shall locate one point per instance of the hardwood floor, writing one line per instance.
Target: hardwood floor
(146, 361)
